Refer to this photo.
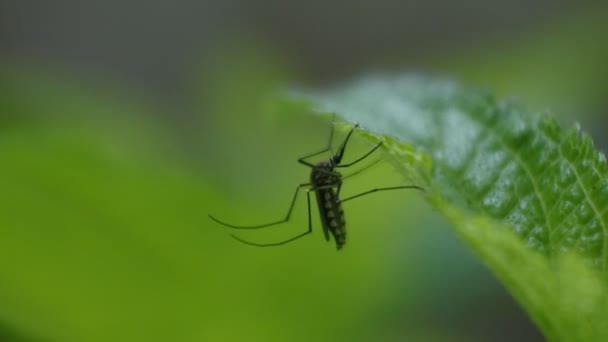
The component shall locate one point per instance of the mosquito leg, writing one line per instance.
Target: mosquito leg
(363, 169)
(338, 156)
(354, 174)
(285, 241)
(328, 148)
(382, 189)
(361, 158)
(293, 201)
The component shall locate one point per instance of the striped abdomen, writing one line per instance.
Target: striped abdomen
(332, 215)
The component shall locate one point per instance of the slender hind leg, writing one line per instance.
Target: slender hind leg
(327, 148)
(284, 241)
(293, 201)
(382, 189)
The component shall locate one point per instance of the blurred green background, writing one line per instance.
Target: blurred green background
(123, 124)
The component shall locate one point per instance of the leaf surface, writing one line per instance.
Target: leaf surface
(528, 197)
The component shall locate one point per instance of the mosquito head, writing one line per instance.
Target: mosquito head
(335, 159)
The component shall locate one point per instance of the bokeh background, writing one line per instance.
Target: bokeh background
(123, 124)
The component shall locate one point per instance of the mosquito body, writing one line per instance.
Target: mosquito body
(325, 179)
(326, 183)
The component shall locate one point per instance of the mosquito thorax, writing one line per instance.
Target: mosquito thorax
(323, 173)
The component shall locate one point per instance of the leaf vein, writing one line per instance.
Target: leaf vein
(524, 167)
(591, 203)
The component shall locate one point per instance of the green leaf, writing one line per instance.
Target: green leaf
(527, 197)
(104, 233)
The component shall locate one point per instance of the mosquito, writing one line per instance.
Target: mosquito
(326, 183)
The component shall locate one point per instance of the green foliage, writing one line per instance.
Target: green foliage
(104, 233)
(530, 199)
